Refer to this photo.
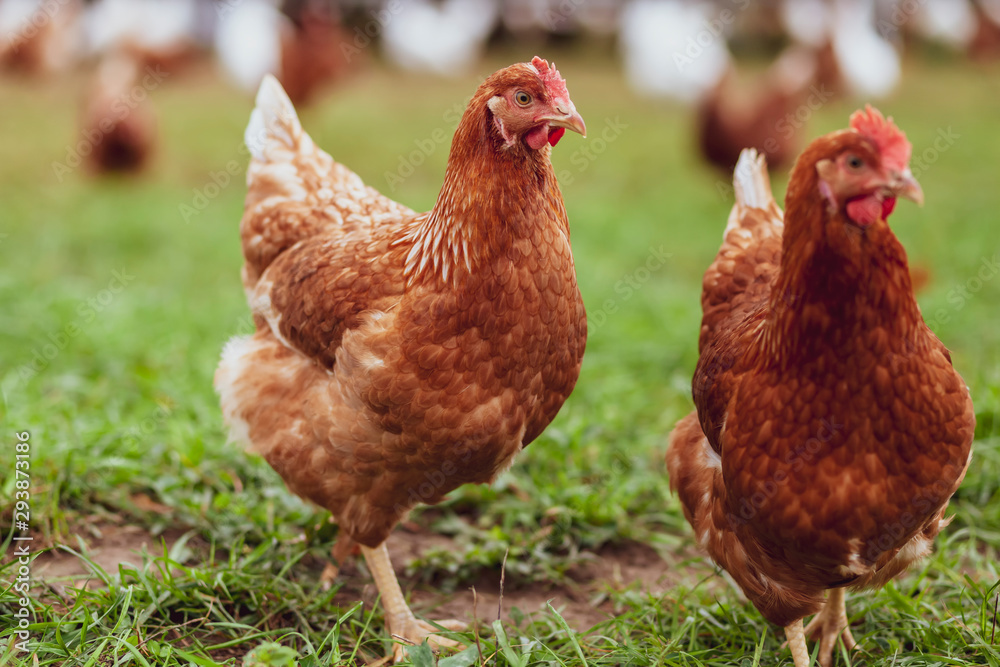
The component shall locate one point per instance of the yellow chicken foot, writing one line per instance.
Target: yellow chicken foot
(829, 625)
(797, 643)
(398, 617)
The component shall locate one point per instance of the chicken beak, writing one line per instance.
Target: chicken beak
(566, 116)
(903, 184)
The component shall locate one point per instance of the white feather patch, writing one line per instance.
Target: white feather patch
(233, 360)
(712, 458)
(273, 121)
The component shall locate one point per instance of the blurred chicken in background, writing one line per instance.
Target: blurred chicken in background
(312, 57)
(38, 38)
(852, 42)
(985, 43)
(963, 26)
(303, 46)
(118, 122)
(679, 50)
(767, 116)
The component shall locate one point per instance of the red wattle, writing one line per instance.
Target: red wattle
(887, 207)
(555, 134)
(866, 211)
(536, 137)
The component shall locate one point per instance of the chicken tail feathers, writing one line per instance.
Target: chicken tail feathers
(740, 277)
(274, 126)
(750, 180)
(752, 187)
(282, 177)
(295, 189)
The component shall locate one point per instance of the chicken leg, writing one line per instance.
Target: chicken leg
(829, 624)
(796, 641)
(343, 549)
(398, 617)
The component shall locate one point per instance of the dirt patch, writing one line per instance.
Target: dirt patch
(112, 546)
(582, 601)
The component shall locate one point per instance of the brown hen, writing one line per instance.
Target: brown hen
(312, 52)
(732, 117)
(118, 123)
(400, 355)
(831, 428)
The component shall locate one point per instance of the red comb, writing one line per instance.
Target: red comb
(555, 84)
(889, 139)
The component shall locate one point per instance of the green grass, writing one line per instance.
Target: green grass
(124, 412)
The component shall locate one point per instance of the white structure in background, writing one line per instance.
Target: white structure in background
(152, 25)
(868, 62)
(523, 16)
(952, 22)
(807, 21)
(596, 17)
(50, 30)
(248, 41)
(445, 38)
(673, 48)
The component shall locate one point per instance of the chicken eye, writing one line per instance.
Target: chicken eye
(854, 162)
(522, 98)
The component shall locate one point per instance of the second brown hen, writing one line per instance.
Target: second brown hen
(831, 428)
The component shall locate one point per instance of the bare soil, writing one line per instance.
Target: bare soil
(108, 546)
(582, 601)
